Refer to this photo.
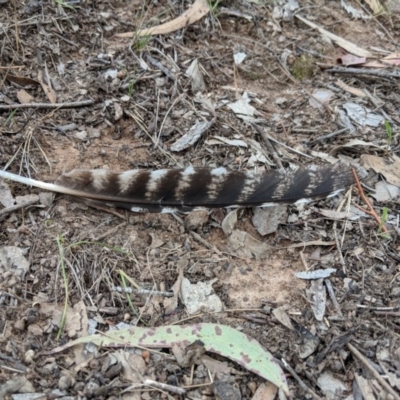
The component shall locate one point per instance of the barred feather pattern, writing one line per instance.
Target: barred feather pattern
(169, 190)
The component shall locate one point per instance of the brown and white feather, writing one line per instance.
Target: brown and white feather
(185, 189)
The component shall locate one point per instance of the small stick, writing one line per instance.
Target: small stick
(376, 309)
(164, 386)
(339, 247)
(335, 303)
(373, 371)
(269, 145)
(47, 105)
(205, 243)
(121, 289)
(299, 381)
(109, 232)
(286, 146)
(11, 209)
(362, 71)
(105, 209)
(161, 67)
(328, 136)
(363, 209)
(364, 197)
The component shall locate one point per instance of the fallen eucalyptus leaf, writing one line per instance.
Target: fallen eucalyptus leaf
(219, 339)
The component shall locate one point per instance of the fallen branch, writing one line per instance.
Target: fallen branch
(72, 104)
(364, 71)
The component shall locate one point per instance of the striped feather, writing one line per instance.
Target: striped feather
(184, 189)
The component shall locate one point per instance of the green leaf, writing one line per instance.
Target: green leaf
(219, 339)
(389, 132)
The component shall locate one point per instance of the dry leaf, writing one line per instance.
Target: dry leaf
(320, 97)
(349, 59)
(171, 303)
(196, 77)
(192, 136)
(245, 245)
(375, 6)
(388, 363)
(13, 266)
(281, 315)
(375, 64)
(357, 142)
(197, 11)
(343, 43)
(330, 385)
(217, 140)
(50, 93)
(391, 171)
(350, 89)
(266, 220)
(354, 12)
(317, 297)
(266, 391)
(22, 80)
(335, 215)
(392, 59)
(229, 222)
(386, 192)
(24, 97)
(365, 387)
(6, 198)
(133, 365)
(19, 384)
(362, 115)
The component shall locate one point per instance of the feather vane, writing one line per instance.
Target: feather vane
(185, 189)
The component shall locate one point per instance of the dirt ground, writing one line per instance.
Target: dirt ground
(141, 100)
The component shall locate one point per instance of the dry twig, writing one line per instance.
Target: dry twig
(11, 209)
(365, 198)
(364, 71)
(270, 147)
(332, 295)
(72, 104)
(373, 371)
(298, 379)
